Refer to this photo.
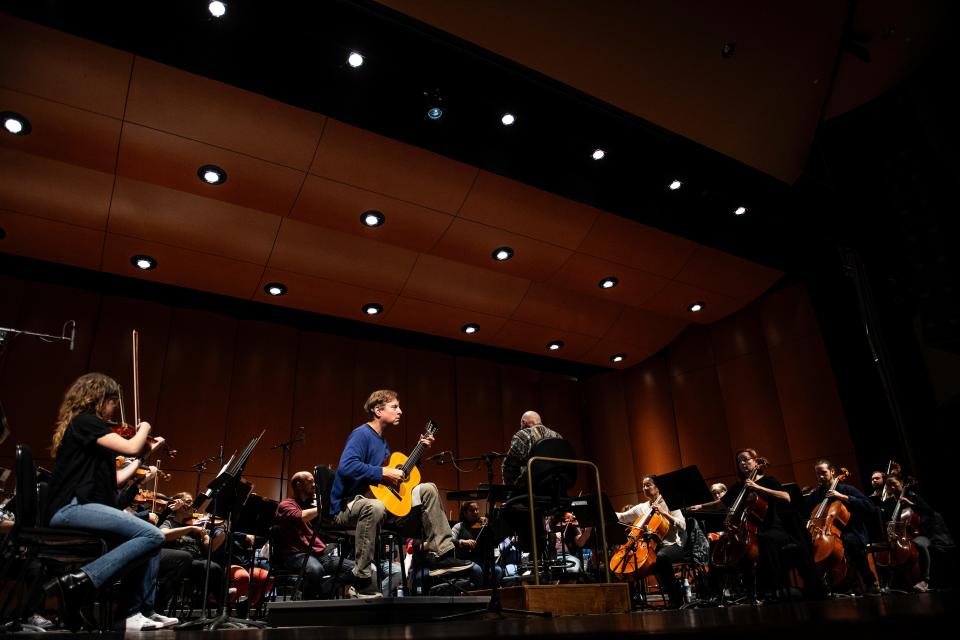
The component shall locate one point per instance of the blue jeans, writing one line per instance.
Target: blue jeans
(140, 540)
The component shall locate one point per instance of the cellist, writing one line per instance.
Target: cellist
(927, 518)
(670, 549)
(854, 536)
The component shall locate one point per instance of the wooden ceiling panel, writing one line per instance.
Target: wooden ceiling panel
(171, 161)
(636, 245)
(164, 215)
(601, 353)
(56, 190)
(201, 109)
(324, 296)
(508, 204)
(643, 332)
(49, 240)
(583, 273)
(63, 133)
(324, 253)
(459, 285)
(441, 320)
(182, 267)
(533, 338)
(674, 299)
(474, 243)
(63, 68)
(370, 161)
(562, 309)
(721, 272)
(338, 206)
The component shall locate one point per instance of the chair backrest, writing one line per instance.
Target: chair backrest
(550, 478)
(323, 476)
(27, 511)
(275, 538)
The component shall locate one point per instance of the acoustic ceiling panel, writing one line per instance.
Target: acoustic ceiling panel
(532, 338)
(583, 273)
(674, 300)
(726, 274)
(50, 240)
(324, 296)
(637, 331)
(459, 285)
(565, 310)
(636, 245)
(441, 320)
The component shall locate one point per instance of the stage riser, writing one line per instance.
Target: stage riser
(568, 599)
(312, 613)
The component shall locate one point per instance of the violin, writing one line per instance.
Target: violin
(202, 520)
(479, 524)
(827, 520)
(638, 554)
(737, 547)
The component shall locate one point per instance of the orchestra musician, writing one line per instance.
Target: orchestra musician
(670, 549)
(185, 531)
(532, 430)
(362, 465)
(877, 480)
(854, 537)
(83, 495)
(911, 499)
(466, 532)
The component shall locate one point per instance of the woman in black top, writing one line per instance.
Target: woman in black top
(83, 495)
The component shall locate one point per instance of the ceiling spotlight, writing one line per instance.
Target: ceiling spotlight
(372, 218)
(434, 113)
(555, 345)
(618, 357)
(728, 49)
(502, 253)
(508, 119)
(696, 307)
(355, 59)
(217, 9)
(373, 309)
(598, 154)
(143, 262)
(609, 282)
(15, 123)
(739, 211)
(212, 174)
(275, 288)
(470, 328)
(676, 184)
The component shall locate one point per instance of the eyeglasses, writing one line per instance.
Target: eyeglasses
(745, 459)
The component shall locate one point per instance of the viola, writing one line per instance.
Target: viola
(737, 548)
(638, 554)
(827, 520)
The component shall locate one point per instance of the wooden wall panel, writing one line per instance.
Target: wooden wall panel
(691, 351)
(380, 365)
(651, 423)
(520, 392)
(563, 400)
(738, 335)
(195, 390)
(479, 417)
(701, 425)
(609, 443)
(787, 315)
(261, 397)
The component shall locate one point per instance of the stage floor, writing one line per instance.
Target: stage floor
(910, 615)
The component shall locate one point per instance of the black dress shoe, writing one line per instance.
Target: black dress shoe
(76, 592)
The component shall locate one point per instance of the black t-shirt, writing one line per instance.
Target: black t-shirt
(83, 469)
(771, 519)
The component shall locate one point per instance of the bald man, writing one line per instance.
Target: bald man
(531, 432)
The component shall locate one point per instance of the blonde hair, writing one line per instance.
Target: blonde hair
(88, 394)
(378, 399)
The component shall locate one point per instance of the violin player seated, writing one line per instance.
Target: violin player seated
(670, 549)
(191, 532)
(466, 533)
(567, 540)
(854, 535)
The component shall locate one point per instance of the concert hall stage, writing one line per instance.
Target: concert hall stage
(900, 615)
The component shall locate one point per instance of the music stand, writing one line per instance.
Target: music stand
(683, 487)
(224, 490)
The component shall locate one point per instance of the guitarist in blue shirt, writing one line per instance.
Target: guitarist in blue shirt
(363, 464)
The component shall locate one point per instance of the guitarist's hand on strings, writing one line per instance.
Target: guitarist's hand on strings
(427, 440)
(392, 476)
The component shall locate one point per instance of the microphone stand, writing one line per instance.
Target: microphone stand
(200, 467)
(493, 520)
(286, 446)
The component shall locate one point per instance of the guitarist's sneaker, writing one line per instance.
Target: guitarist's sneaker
(443, 565)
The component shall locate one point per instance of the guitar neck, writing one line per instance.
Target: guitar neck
(414, 457)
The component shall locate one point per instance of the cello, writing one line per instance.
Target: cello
(825, 526)
(737, 549)
(903, 556)
(639, 553)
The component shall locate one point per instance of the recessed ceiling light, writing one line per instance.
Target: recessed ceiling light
(372, 309)
(435, 113)
(212, 174)
(618, 357)
(15, 123)
(696, 307)
(372, 218)
(275, 288)
(676, 184)
(598, 154)
(470, 328)
(508, 119)
(739, 211)
(609, 282)
(355, 59)
(217, 8)
(143, 262)
(555, 345)
(728, 49)
(502, 253)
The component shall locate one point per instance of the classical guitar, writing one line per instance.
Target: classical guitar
(399, 500)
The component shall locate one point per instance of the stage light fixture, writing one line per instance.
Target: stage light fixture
(217, 9)
(618, 357)
(556, 345)
(434, 113)
(372, 309)
(502, 253)
(372, 218)
(146, 263)
(508, 119)
(739, 211)
(15, 124)
(598, 154)
(212, 174)
(609, 282)
(696, 307)
(470, 328)
(355, 59)
(275, 289)
(676, 184)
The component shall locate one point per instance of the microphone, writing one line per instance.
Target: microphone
(220, 455)
(438, 457)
